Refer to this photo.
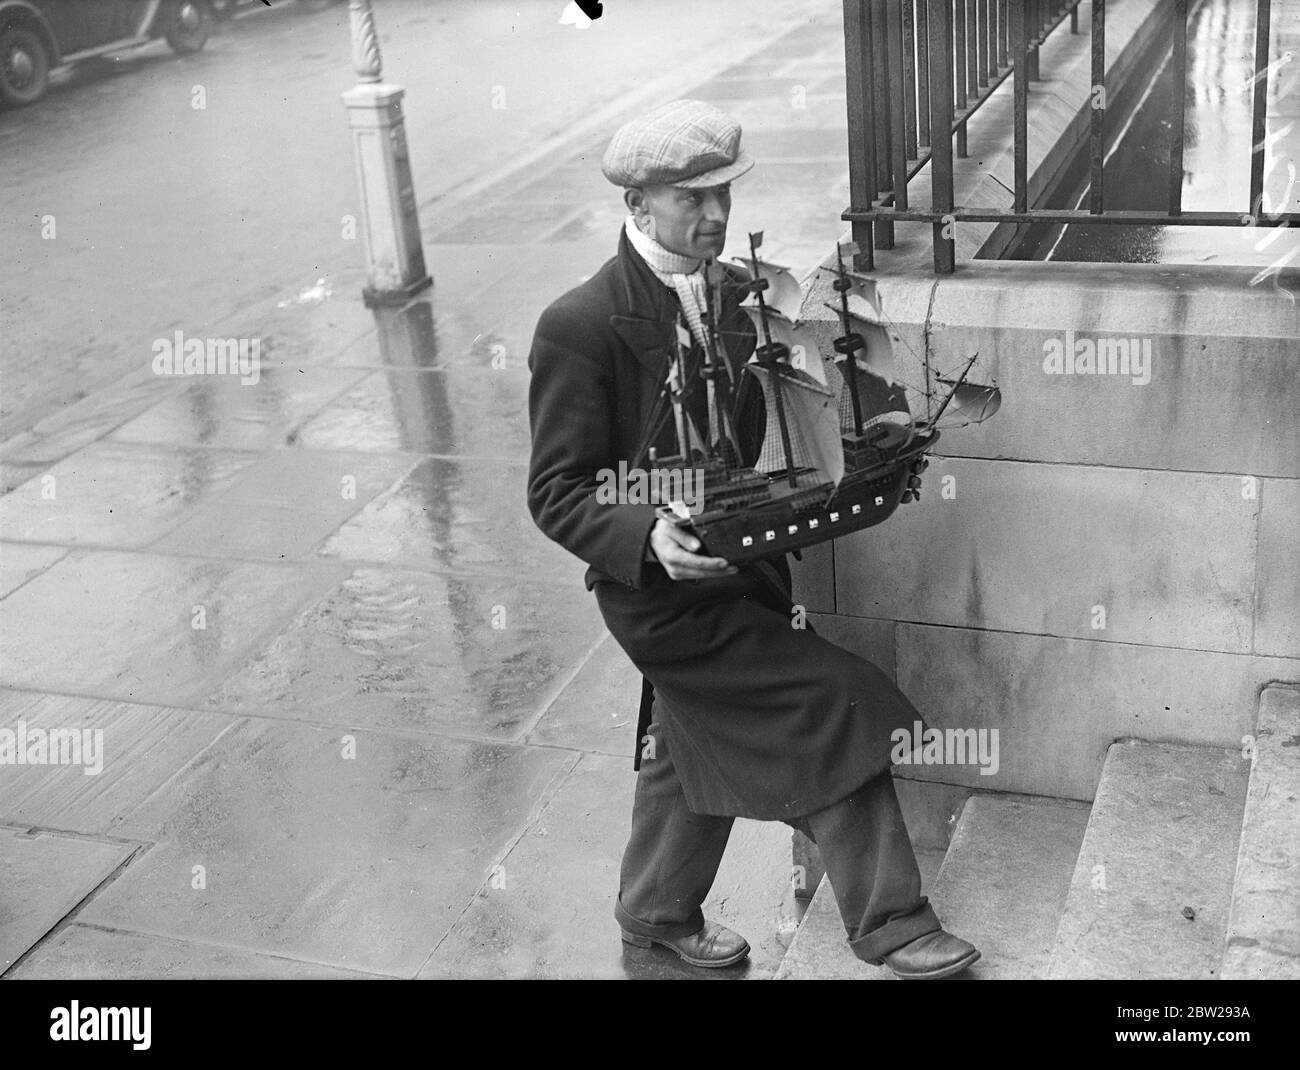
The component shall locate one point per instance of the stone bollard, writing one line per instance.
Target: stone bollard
(394, 254)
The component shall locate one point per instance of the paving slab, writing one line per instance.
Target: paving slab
(283, 506)
(597, 711)
(14, 474)
(141, 748)
(142, 611)
(591, 222)
(550, 913)
(79, 952)
(115, 494)
(514, 223)
(362, 862)
(427, 333)
(561, 187)
(813, 579)
(222, 411)
(305, 327)
(1153, 882)
(463, 516)
(468, 411)
(1263, 938)
(748, 86)
(93, 416)
(45, 876)
(20, 562)
(816, 143)
(475, 655)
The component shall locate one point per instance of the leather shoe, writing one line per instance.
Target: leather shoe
(934, 955)
(714, 945)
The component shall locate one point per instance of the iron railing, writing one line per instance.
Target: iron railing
(914, 67)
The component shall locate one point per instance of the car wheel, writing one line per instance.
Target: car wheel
(24, 66)
(188, 24)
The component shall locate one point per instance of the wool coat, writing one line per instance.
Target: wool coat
(764, 719)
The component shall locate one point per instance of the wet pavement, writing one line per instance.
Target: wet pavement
(1216, 150)
(173, 210)
(359, 717)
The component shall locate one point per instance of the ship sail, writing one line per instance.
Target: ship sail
(813, 423)
(882, 401)
(783, 293)
(805, 353)
(973, 402)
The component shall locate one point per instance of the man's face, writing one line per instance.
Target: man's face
(690, 222)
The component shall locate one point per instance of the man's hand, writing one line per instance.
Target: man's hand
(675, 548)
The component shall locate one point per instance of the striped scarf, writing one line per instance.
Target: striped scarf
(682, 274)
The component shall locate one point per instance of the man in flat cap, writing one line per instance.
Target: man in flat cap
(743, 715)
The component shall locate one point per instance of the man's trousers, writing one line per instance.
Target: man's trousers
(673, 856)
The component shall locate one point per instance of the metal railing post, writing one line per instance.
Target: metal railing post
(922, 74)
(1020, 121)
(1176, 121)
(862, 151)
(1097, 146)
(941, 193)
(880, 116)
(958, 60)
(898, 134)
(1259, 105)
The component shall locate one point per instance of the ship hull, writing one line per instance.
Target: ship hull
(862, 500)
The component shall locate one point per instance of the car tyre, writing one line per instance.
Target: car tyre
(188, 24)
(24, 66)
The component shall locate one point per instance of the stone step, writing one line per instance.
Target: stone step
(1005, 879)
(820, 951)
(1153, 882)
(1263, 939)
(1002, 885)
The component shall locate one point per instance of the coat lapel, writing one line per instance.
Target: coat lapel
(645, 321)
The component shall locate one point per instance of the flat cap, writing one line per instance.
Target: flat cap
(682, 143)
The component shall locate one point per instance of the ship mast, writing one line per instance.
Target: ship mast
(721, 429)
(677, 387)
(769, 355)
(850, 341)
(955, 387)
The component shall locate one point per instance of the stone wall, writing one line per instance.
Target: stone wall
(1111, 555)
(1106, 556)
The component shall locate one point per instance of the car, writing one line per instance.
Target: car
(227, 9)
(38, 35)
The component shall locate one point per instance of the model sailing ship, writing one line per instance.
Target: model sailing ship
(841, 449)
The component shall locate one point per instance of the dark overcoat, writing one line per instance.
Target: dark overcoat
(764, 719)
